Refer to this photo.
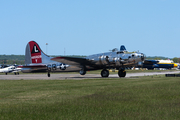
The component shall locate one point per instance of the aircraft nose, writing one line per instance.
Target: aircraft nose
(175, 65)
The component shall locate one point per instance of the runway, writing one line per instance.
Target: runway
(75, 76)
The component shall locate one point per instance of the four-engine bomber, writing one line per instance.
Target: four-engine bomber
(110, 60)
(37, 61)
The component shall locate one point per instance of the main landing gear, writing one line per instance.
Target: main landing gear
(82, 71)
(122, 73)
(104, 73)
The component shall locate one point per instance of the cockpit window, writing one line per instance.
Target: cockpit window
(120, 52)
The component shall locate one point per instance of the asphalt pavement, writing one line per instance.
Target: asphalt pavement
(76, 76)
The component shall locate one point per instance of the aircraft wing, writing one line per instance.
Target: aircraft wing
(72, 60)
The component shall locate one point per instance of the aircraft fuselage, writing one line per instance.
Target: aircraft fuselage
(115, 59)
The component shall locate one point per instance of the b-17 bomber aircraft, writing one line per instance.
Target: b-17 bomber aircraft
(110, 60)
(37, 60)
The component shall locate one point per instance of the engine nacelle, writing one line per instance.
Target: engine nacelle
(104, 60)
(116, 60)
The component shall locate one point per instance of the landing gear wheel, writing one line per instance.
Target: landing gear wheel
(104, 73)
(122, 73)
(82, 72)
(14, 73)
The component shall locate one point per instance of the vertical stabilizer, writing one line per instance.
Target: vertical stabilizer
(34, 54)
(122, 48)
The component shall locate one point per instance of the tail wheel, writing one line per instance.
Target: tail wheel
(122, 73)
(48, 74)
(104, 73)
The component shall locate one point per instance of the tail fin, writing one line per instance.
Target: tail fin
(33, 53)
(122, 48)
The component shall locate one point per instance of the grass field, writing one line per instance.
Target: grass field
(147, 97)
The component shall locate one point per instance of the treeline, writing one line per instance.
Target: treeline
(12, 59)
(157, 58)
(20, 59)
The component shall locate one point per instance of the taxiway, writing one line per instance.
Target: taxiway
(76, 76)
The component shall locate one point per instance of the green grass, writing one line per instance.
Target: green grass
(147, 97)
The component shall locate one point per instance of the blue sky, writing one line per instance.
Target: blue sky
(85, 27)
